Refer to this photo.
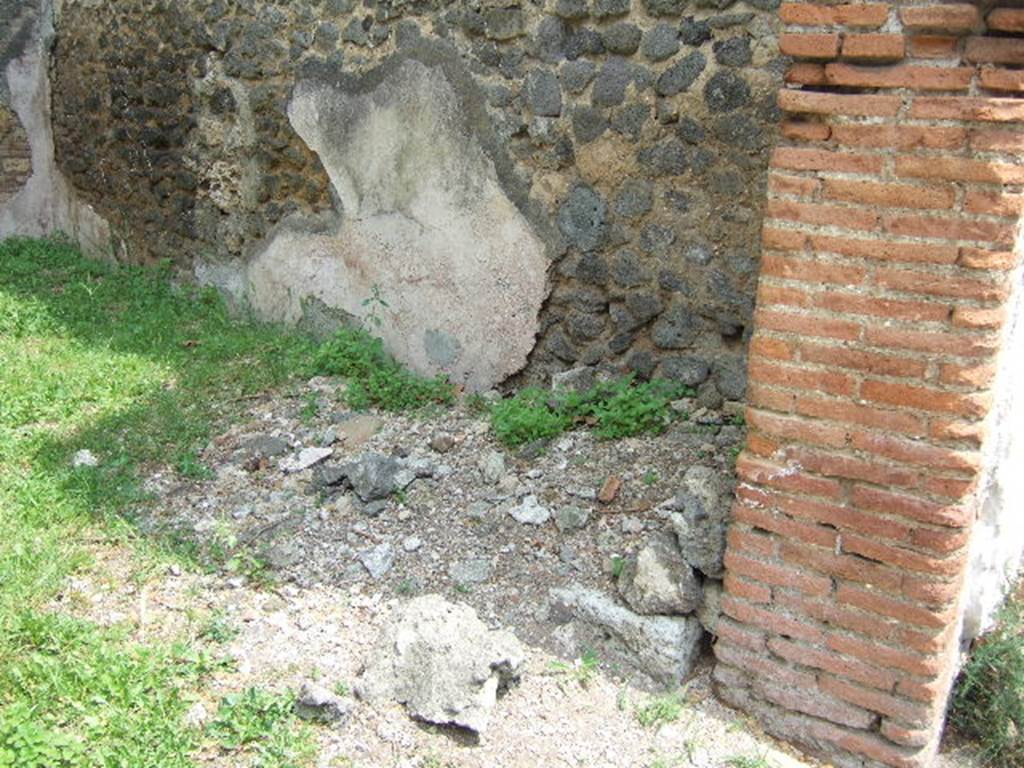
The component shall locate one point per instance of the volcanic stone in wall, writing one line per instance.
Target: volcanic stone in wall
(15, 154)
(426, 221)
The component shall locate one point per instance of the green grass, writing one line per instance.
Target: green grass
(119, 361)
(583, 670)
(374, 377)
(661, 710)
(988, 700)
(618, 409)
(261, 724)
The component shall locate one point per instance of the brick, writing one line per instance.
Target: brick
(766, 397)
(950, 228)
(770, 573)
(994, 140)
(932, 591)
(994, 203)
(796, 428)
(976, 376)
(820, 215)
(783, 239)
(949, 17)
(983, 109)
(849, 567)
(953, 488)
(852, 669)
(914, 713)
(892, 658)
(738, 634)
(921, 78)
(935, 284)
(908, 506)
(1009, 80)
(771, 620)
(878, 749)
(851, 105)
(971, 432)
(980, 258)
(805, 73)
(843, 518)
(932, 196)
(893, 608)
(798, 377)
(791, 530)
(764, 666)
(862, 360)
(973, 317)
(885, 250)
(785, 184)
(850, 15)
(959, 169)
(874, 47)
(809, 325)
(933, 46)
(803, 159)
(812, 270)
(852, 468)
(751, 541)
(906, 735)
(784, 478)
(915, 452)
(821, 704)
(892, 309)
(995, 50)
(801, 45)
(940, 540)
(904, 137)
(1006, 20)
(777, 349)
(747, 590)
(801, 131)
(926, 398)
(853, 413)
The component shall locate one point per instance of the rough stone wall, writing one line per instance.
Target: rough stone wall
(892, 258)
(15, 154)
(631, 135)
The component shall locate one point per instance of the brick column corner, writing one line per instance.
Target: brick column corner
(890, 262)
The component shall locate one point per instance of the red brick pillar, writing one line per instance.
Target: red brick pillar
(889, 264)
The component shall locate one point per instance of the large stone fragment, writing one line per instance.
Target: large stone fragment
(374, 476)
(659, 581)
(431, 219)
(664, 647)
(699, 514)
(443, 663)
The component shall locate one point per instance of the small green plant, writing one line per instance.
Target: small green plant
(988, 700)
(618, 566)
(406, 587)
(310, 407)
(582, 670)
(374, 377)
(463, 588)
(262, 723)
(188, 464)
(650, 477)
(661, 710)
(615, 409)
(746, 761)
(341, 689)
(375, 301)
(218, 628)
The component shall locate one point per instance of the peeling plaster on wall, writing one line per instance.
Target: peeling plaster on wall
(997, 544)
(424, 220)
(46, 204)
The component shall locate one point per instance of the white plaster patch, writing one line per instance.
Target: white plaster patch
(425, 223)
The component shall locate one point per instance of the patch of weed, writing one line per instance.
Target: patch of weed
(618, 566)
(374, 377)
(616, 409)
(746, 761)
(582, 670)
(264, 724)
(218, 628)
(661, 710)
(988, 699)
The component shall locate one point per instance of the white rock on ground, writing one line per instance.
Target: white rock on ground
(443, 663)
(659, 581)
(665, 647)
(305, 459)
(530, 511)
